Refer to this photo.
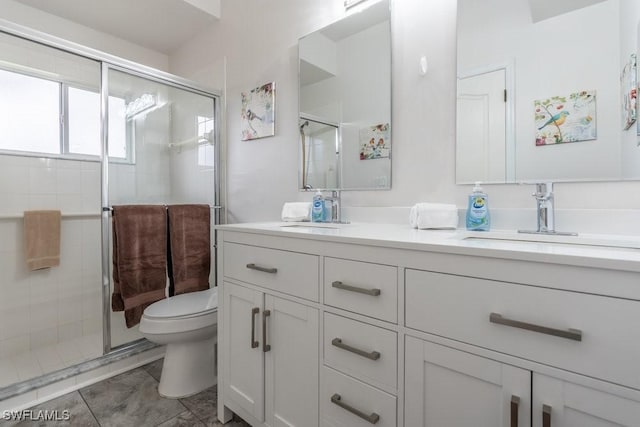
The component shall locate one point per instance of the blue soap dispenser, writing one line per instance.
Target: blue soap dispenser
(317, 208)
(478, 210)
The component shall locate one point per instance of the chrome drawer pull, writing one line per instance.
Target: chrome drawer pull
(263, 269)
(546, 416)
(571, 334)
(372, 418)
(374, 355)
(373, 292)
(515, 402)
(254, 311)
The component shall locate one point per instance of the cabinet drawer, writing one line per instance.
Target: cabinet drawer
(364, 351)
(362, 287)
(347, 402)
(289, 272)
(592, 335)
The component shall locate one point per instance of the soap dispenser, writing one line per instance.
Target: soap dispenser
(478, 210)
(317, 208)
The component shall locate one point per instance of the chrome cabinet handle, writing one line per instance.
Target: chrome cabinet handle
(263, 269)
(515, 402)
(373, 355)
(546, 416)
(254, 311)
(571, 334)
(373, 292)
(372, 418)
(265, 347)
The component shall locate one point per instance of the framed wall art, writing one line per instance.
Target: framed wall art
(629, 85)
(258, 112)
(570, 118)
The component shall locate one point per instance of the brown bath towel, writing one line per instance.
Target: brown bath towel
(139, 259)
(190, 243)
(42, 239)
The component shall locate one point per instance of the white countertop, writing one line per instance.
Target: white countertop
(600, 251)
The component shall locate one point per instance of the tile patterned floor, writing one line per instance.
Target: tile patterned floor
(132, 399)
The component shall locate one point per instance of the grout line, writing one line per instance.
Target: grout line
(144, 369)
(88, 406)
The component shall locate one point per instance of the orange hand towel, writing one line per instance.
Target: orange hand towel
(42, 239)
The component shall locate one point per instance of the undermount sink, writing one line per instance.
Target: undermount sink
(582, 239)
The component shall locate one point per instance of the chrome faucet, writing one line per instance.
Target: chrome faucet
(544, 200)
(545, 211)
(336, 207)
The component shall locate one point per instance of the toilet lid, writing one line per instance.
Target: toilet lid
(190, 304)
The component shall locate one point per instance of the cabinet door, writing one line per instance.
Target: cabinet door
(450, 388)
(558, 403)
(291, 363)
(243, 361)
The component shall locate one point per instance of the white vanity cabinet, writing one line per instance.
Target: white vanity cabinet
(398, 330)
(590, 335)
(270, 350)
(559, 402)
(447, 387)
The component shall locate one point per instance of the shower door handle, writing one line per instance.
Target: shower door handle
(254, 311)
(265, 347)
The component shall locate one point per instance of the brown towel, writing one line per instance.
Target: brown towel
(42, 239)
(139, 259)
(190, 242)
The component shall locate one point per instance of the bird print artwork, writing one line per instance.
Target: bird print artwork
(557, 119)
(561, 119)
(257, 114)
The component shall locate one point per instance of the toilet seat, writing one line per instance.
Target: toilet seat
(184, 305)
(181, 313)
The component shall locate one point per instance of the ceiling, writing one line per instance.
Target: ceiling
(358, 21)
(160, 25)
(544, 9)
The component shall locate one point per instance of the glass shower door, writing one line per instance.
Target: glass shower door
(162, 144)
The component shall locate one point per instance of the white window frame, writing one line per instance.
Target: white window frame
(63, 123)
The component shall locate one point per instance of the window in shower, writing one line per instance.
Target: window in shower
(50, 104)
(29, 113)
(206, 150)
(83, 124)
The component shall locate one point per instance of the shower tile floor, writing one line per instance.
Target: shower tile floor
(132, 399)
(34, 363)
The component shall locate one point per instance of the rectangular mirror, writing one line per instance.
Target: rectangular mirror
(547, 91)
(345, 102)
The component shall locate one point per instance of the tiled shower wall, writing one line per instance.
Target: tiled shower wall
(41, 308)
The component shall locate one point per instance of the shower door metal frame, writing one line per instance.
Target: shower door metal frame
(111, 62)
(172, 81)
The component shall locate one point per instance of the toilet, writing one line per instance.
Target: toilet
(187, 325)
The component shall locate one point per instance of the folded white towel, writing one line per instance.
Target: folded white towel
(296, 211)
(433, 215)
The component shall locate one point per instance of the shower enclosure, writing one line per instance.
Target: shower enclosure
(81, 131)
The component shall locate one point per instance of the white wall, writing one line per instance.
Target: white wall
(257, 41)
(27, 16)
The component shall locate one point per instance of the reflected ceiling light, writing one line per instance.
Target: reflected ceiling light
(139, 105)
